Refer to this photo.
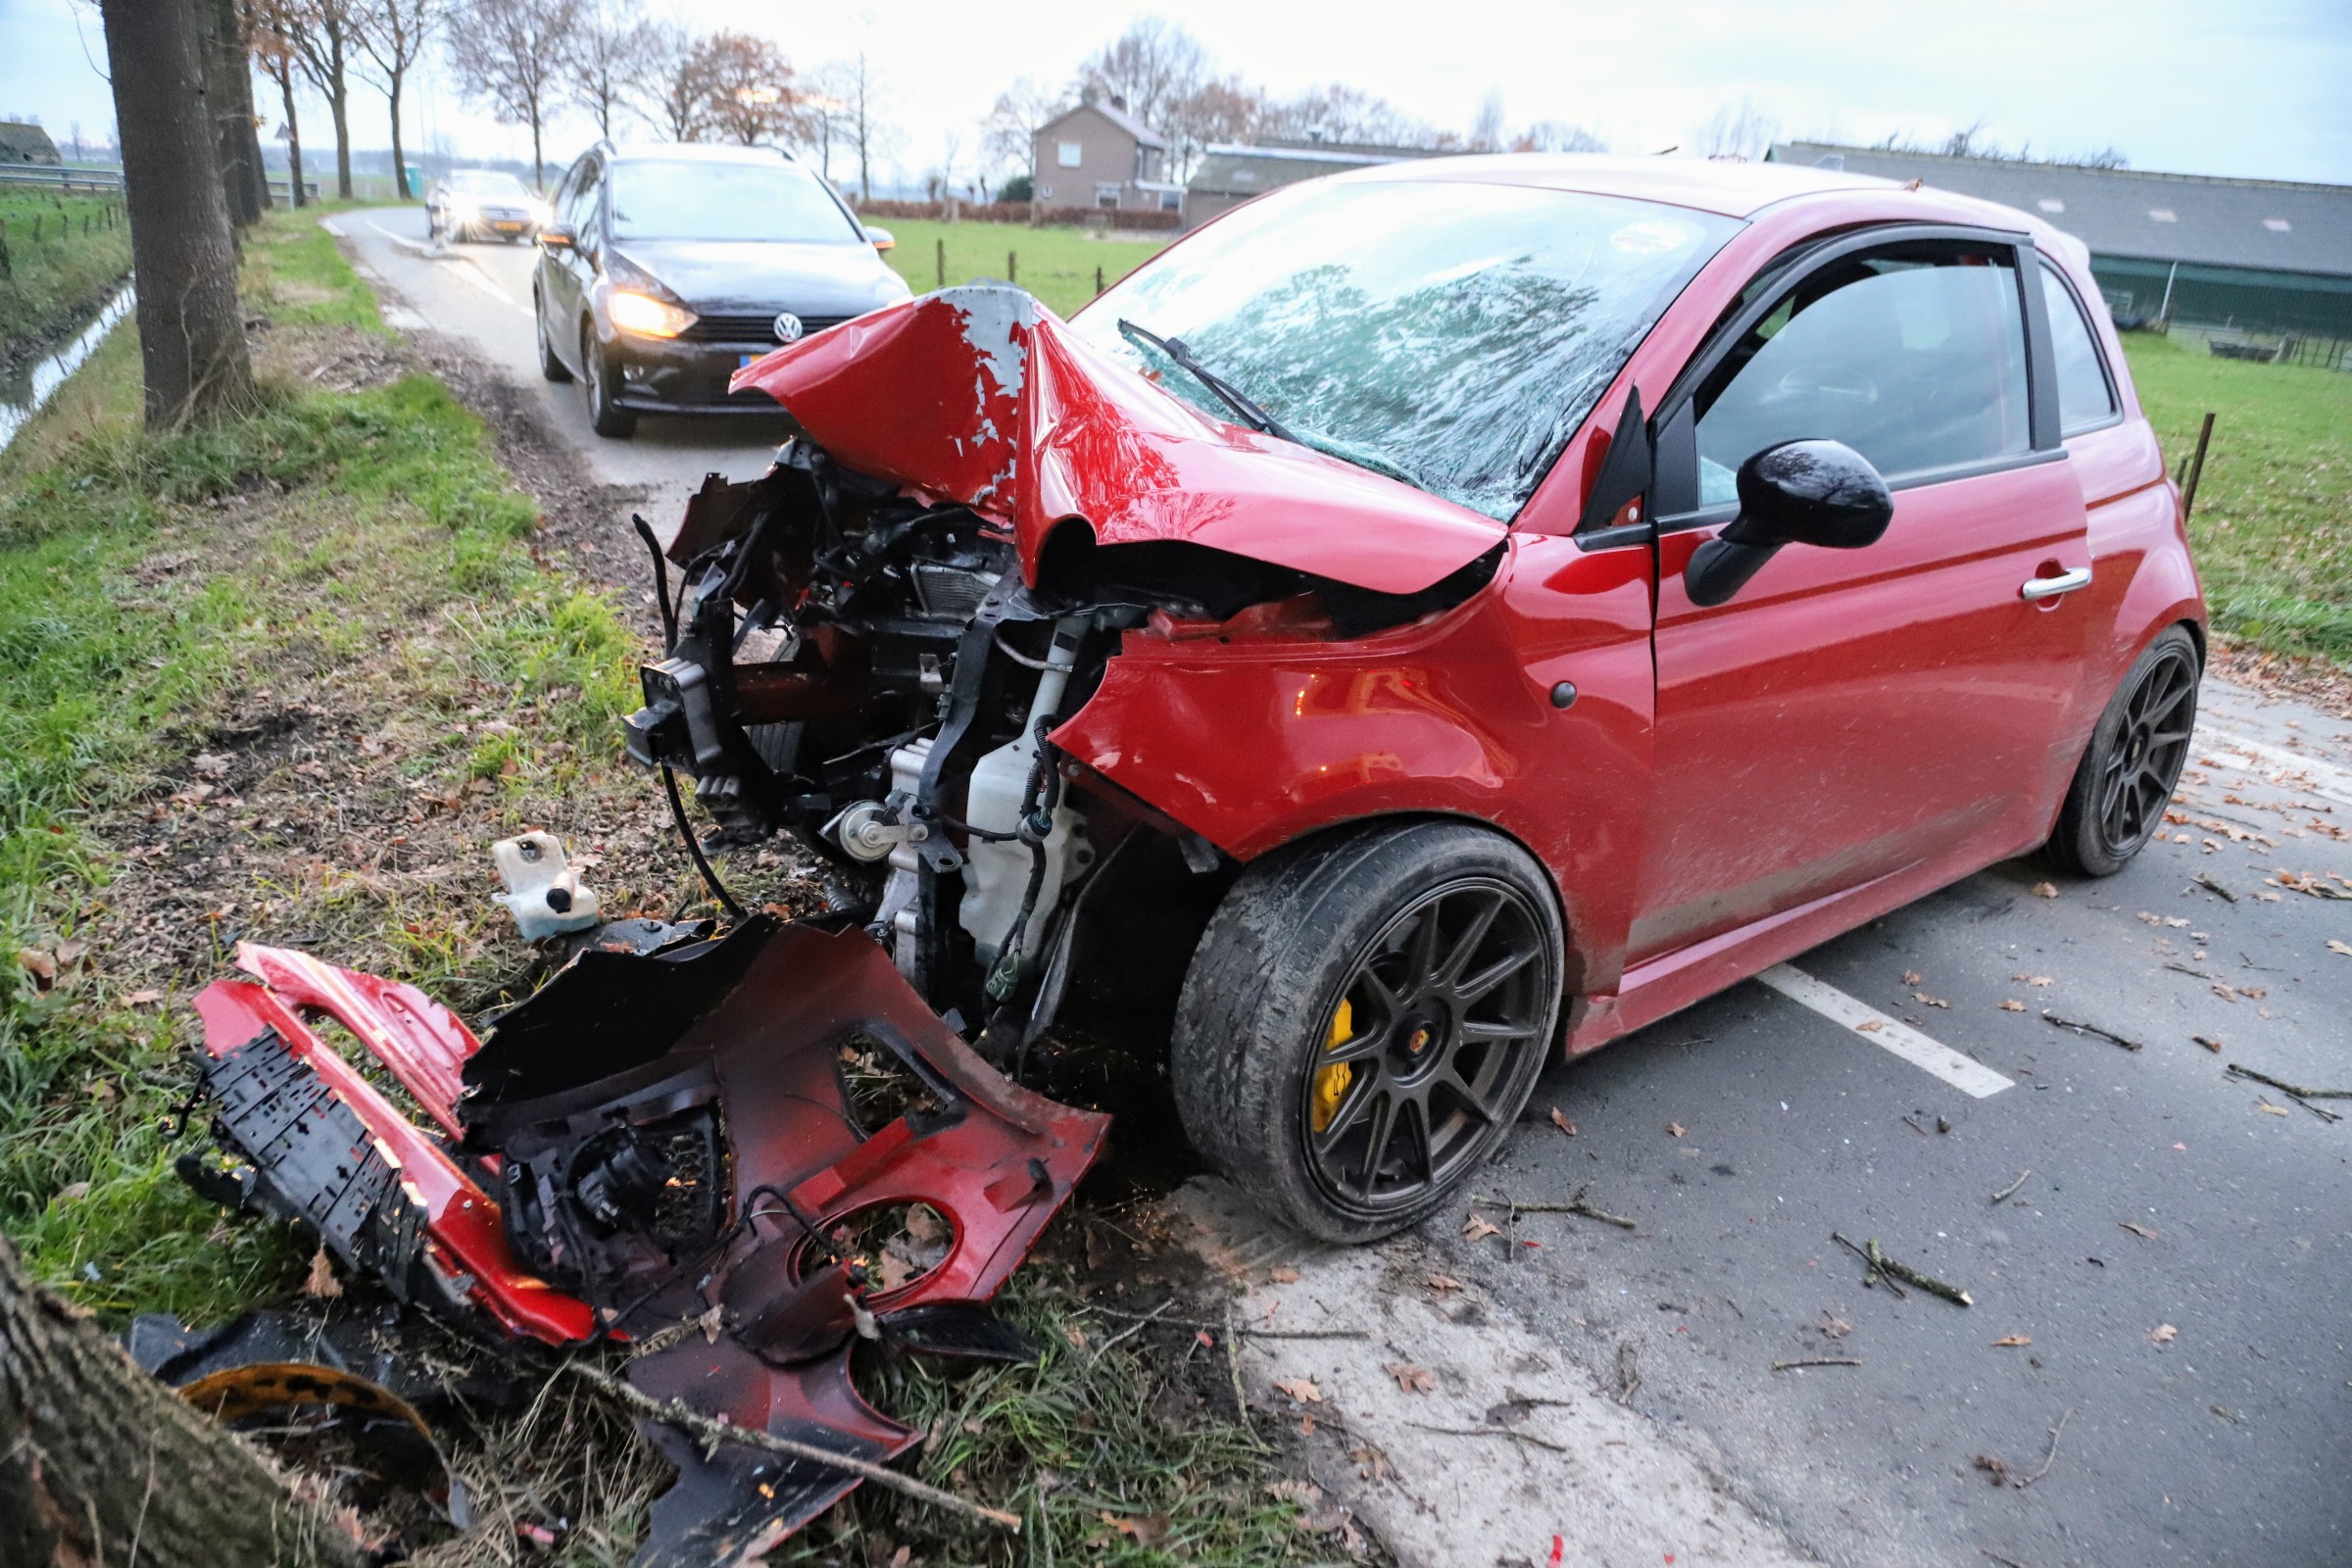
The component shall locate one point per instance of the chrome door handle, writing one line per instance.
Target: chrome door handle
(2066, 582)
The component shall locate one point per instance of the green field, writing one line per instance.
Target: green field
(2272, 527)
(57, 280)
(1056, 264)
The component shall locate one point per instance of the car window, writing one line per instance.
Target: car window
(1913, 356)
(773, 202)
(2083, 395)
(573, 207)
(1453, 334)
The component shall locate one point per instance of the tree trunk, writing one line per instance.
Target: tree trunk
(229, 84)
(340, 105)
(400, 160)
(191, 330)
(100, 1463)
(285, 94)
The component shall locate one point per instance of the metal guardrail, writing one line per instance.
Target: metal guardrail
(62, 178)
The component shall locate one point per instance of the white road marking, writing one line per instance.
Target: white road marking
(334, 229)
(1964, 1073)
(2321, 777)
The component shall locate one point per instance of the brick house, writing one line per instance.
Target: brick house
(1098, 155)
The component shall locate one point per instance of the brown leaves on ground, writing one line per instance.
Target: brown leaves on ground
(1675, 1129)
(2143, 1232)
(2344, 948)
(1926, 1001)
(1912, 977)
(322, 1281)
(1439, 1284)
(1283, 1274)
(1477, 1228)
(1412, 1379)
(1870, 1027)
(1145, 1530)
(2008, 1005)
(2012, 1342)
(1834, 1328)
(2034, 979)
(2045, 890)
(2269, 1109)
(1562, 1122)
(1303, 1391)
(2163, 1334)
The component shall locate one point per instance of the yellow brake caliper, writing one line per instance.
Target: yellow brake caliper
(1330, 1083)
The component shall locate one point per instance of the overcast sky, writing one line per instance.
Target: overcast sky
(2252, 87)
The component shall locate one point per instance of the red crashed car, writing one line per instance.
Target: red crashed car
(1433, 614)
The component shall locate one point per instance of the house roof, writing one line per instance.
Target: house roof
(1233, 170)
(1120, 117)
(2274, 225)
(24, 143)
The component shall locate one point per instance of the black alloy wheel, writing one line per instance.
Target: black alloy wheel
(551, 367)
(2133, 762)
(1425, 1046)
(605, 416)
(1364, 1018)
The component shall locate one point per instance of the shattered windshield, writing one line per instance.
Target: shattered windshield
(1452, 332)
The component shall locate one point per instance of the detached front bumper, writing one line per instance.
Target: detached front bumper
(654, 1143)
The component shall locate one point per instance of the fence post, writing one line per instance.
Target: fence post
(1012, 265)
(1097, 280)
(2196, 469)
(8, 267)
(36, 228)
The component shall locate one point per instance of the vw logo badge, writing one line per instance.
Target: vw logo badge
(789, 327)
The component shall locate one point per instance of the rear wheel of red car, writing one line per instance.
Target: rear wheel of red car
(1364, 1019)
(606, 417)
(2133, 762)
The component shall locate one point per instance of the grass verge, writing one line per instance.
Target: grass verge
(1056, 264)
(286, 679)
(2272, 526)
(64, 254)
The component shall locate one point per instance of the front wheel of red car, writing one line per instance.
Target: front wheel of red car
(2133, 762)
(1364, 1019)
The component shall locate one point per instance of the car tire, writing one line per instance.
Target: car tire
(1364, 1019)
(606, 417)
(549, 366)
(2133, 764)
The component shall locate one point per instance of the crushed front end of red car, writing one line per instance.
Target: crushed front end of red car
(741, 1155)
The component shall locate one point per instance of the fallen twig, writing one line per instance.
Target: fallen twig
(1233, 1365)
(1870, 1275)
(1815, 1360)
(1137, 1327)
(2205, 881)
(2125, 1041)
(1576, 1205)
(1887, 1266)
(2005, 1562)
(714, 1433)
(2295, 1092)
(2022, 1482)
(2010, 1191)
(1491, 1431)
(1914, 1126)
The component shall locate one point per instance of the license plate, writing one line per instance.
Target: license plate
(509, 228)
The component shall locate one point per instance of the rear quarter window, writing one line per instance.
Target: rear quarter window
(2085, 393)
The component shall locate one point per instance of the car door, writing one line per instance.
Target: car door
(565, 271)
(1855, 714)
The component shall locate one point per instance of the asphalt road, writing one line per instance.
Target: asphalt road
(2198, 1361)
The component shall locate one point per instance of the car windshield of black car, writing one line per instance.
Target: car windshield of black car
(682, 200)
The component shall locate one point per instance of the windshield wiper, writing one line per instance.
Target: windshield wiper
(1227, 393)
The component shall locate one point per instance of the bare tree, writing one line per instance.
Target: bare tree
(826, 121)
(1340, 113)
(1742, 130)
(1486, 130)
(393, 33)
(270, 24)
(754, 99)
(1008, 135)
(610, 52)
(861, 119)
(672, 86)
(1147, 67)
(1557, 136)
(183, 256)
(325, 34)
(509, 54)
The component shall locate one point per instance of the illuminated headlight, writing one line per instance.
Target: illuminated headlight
(647, 315)
(542, 214)
(465, 207)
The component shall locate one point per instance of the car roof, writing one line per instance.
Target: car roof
(684, 152)
(1734, 189)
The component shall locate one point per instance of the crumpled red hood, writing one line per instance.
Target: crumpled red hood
(983, 396)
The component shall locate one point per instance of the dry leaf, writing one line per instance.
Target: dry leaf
(1303, 1391)
(2034, 979)
(1911, 977)
(141, 999)
(2045, 890)
(2140, 1230)
(73, 1191)
(1283, 1274)
(211, 765)
(1870, 1028)
(1412, 1379)
(2269, 1109)
(1144, 1529)
(1835, 1328)
(1675, 1129)
(2150, 916)
(1924, 1000)
(1477, 1228)
(1442, 1283)
(2013, 1007)
(1562, 1122)
(2010, 1341)
(2163, 1334)
(321, 1281)
(2344, 948)
(2174, 922)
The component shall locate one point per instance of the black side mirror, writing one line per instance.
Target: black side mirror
(1798, 493)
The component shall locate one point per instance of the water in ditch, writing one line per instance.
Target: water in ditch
(24, 388)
